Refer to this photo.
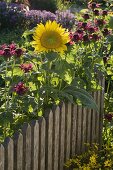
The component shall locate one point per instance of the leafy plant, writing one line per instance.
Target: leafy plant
(93, 159)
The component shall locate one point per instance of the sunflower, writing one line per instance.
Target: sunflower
(50, 37)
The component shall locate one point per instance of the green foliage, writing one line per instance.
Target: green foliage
(93, 159)
(8, 36)
(50, 5)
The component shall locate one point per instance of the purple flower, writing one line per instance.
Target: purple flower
(36, 16)
(66, 19)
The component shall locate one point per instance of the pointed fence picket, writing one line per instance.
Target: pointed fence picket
(45, 144)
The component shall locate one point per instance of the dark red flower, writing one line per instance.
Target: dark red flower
(79, 31)
(94, 37)
(3, 46)
(86, 16)
(20, 88)
(96, 12)
(104, 12)
(83, 25)
(71, 35)
(18, 52)
(7, 53)
(92, 29)
(106, 32)
(71, 42)
(100, 22)
(93, 5)
(108, 117)
(77, 37)
(86, 38)
(1, 52)
(12, 46)
(26, 67)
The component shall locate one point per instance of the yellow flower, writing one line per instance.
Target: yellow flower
(86, 167)
(108, 163)
(50, 37)
(93, 159)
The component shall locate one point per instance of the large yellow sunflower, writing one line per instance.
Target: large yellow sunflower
(50, 37)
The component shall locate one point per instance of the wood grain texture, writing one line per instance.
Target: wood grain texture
(42, 144)
(74, 130)
(56, 138)
(9, 154)
(35, 145)
(62, 137)
(68, 131)
(84, 129)
(2, 157)
(93, 120)
(28, 148)
(102, 82)
(89, 129)
(49, 142)
(19, 152)
(79, 131)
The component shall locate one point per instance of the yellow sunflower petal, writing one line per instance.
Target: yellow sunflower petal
(51, 37)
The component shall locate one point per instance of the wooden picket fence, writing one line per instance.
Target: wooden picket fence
(47, 143)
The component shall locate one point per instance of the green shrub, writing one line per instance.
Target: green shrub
(50, 5)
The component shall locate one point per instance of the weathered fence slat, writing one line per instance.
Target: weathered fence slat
(94, 118)
(56, 138)
(9, 154)
(97, 121)
(102, 83)
(88, 126)
(74, 127)
(68, 130)
(2, 157)
(42, 144)
(27, 146)
(34, 145)
(84, 132)
(62, 137)
(18, 151)
(79, 131)
(49, 141)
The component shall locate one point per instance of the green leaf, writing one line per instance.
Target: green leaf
(27, 33)
(83, 96)
(51, 56)
(111, 22)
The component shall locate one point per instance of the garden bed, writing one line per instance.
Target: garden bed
(55, 57)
